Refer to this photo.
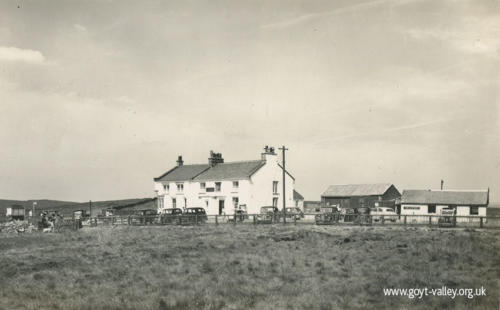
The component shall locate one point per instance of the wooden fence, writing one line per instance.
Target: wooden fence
(306, 219)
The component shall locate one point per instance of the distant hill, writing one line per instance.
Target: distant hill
(493, 209)
(66, 208)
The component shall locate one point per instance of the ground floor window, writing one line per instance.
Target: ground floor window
(160, 202)
(474, 210)
(275, 202)
(235, 202)
(174, 203)
(431, 209)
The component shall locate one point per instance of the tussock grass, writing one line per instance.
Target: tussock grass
(262, 267)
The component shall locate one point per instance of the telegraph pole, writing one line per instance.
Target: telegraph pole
(283, 149)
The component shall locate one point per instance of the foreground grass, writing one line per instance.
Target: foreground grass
(263, 267)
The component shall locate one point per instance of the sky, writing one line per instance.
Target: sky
(99, 97)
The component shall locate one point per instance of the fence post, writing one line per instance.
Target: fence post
(254, 220)
(235, 218)
(196, 218)
(481, 222)
(405, 220)
(383, 220)
(294, 220)
(430, 220)
(216, 221)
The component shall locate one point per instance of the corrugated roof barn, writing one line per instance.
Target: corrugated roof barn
(352, 190)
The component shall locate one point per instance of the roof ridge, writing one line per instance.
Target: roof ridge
(241, 161)
(383, 183)
(449, 190)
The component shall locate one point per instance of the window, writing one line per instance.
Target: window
(180, 187)
(236, 184)
(165, 186)
(160, 202)
(217, 186)
(235, 202)
(275, 187)
(431, 209)
(202, 186)
(275, 202)
(474, 211)
(174, 203)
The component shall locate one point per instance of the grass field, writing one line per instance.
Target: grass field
(260, 267)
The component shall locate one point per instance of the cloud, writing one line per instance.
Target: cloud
(474, 35)
(23, 55)
(386, 130)
(80, 28)
(347, 9)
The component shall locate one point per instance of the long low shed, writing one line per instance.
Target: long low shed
(431, 202)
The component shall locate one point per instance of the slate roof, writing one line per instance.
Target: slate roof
(297, 195)
(231, 170)
(352, 190)
(182, 173)
(445, 197)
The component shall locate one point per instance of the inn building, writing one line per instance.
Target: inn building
(223, 187)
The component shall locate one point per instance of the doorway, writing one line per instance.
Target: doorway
(221, 207)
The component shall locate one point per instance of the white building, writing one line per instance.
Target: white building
(431, 202)
(222, 188)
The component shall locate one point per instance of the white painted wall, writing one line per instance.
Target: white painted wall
(422, 210)
(261, 189)
(253, 193)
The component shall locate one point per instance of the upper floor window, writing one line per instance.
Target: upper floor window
(217, 186)
(236, 184)
(202, 186)
(165, 187)
(275, 187)
(180, 187)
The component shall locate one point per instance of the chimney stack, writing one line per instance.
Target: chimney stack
(215, 158)
(180, 162)
(268, 150)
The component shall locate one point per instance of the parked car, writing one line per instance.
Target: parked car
(171, 216)
(387, 214)
(194, 216)
(268, 215)
(294, 213)
(240, 216)
(143, 217)
(363, 216)
(327, 215)
(447, 218)
(347, 215)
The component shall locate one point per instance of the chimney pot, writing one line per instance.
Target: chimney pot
(215, 158)
(180, 162)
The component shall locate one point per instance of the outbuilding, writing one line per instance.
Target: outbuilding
(361, 195)
(431, 202)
